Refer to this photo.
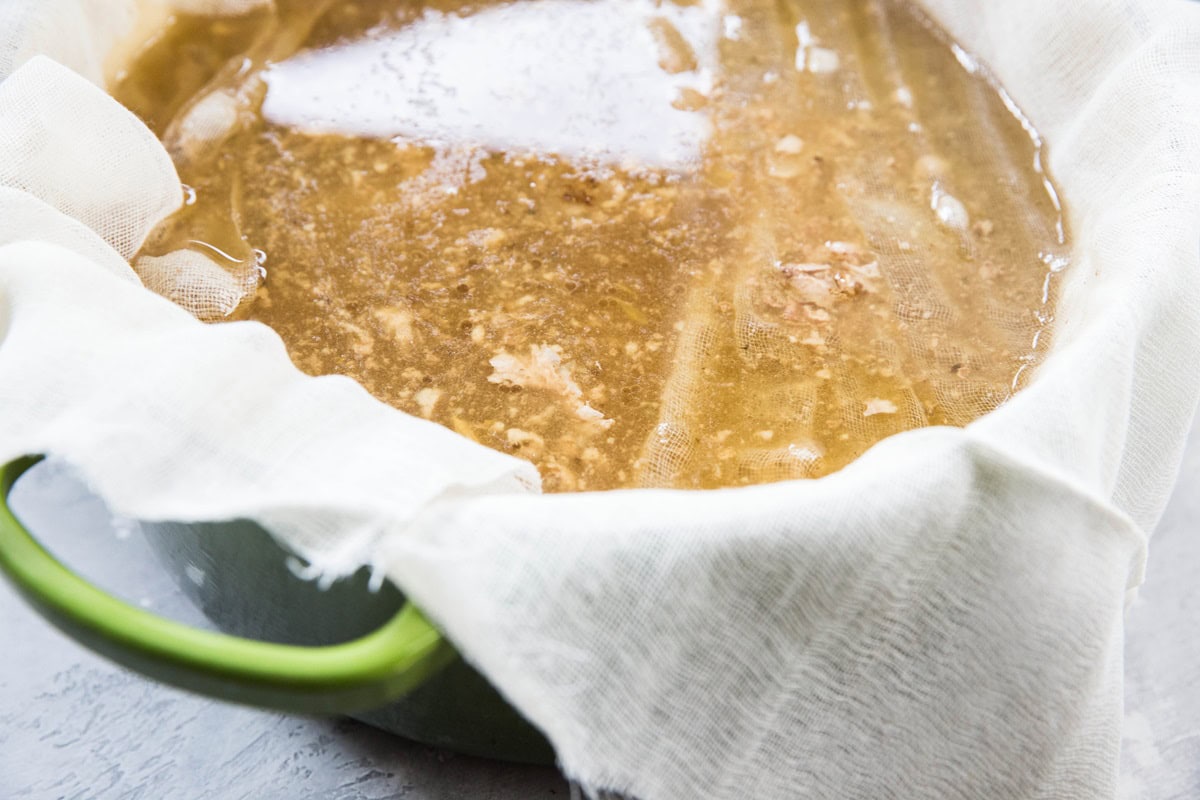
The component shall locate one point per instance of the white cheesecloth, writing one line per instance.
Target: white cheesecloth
(941, 619)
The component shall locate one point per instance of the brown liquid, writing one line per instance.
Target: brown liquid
(862, 246)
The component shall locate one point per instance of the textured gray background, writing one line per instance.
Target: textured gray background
(73, 726)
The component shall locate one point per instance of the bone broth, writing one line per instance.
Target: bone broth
(640, 243)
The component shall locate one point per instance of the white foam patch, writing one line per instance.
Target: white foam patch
(574, 78)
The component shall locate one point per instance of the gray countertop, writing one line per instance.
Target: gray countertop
(74, 726)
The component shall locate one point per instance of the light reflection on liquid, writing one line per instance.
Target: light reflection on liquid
(614, 80)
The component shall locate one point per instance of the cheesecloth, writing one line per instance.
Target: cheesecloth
(943, 618)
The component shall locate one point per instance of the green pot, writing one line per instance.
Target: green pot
(286, 644)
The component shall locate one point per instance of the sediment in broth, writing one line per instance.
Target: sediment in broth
(844, 233)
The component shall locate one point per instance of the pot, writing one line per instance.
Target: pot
(285, 644)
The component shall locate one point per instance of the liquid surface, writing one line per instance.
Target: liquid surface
(639, 243)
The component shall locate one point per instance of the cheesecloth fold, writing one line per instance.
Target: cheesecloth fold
(943, 618)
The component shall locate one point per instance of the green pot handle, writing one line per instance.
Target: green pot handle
(365, 673)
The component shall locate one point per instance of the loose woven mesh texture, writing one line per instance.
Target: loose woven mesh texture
(942, 618)
(46, 149)
(195, 282)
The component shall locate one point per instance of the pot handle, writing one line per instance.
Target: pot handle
(365, 673)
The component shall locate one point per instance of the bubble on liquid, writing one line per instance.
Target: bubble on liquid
(1055, 262)
(260, 262)
(189, 195)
